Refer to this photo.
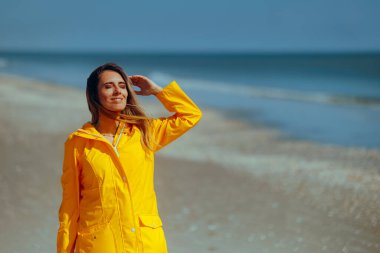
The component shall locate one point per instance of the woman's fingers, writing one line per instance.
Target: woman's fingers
(146, 86)
(138, 78)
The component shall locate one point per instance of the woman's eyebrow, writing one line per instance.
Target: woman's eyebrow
(112, 82)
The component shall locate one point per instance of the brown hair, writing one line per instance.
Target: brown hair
(132, 113)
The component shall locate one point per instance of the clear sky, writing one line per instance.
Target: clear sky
(191, 25)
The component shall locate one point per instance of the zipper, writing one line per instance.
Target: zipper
(117, 142)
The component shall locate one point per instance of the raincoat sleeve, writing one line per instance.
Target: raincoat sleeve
(69, 209)
(186, 115)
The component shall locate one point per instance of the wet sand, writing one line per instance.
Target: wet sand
(225, 186)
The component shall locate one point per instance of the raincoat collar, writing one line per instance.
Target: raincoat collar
(89, 131)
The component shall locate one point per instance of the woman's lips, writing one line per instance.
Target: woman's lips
(117, 99)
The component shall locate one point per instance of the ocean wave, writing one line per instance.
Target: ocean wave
(3, 62)
(268, 92)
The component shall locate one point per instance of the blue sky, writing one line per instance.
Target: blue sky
(196, 25)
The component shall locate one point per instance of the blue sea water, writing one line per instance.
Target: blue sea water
(327, 98)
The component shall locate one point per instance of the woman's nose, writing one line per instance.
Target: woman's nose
(116, 90)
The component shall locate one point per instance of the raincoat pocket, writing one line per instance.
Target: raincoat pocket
(152, 234)
(97, 239)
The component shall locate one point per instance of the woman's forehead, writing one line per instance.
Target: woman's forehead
(110, 76)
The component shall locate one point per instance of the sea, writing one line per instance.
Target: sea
(329, 98)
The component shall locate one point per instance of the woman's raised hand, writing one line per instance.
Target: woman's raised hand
(147, 86)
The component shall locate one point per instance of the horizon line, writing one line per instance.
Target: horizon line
(187, 52)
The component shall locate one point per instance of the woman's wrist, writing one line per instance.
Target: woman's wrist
(157, 90)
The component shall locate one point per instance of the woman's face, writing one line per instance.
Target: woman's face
(112, 91)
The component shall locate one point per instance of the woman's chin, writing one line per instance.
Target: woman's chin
(115, 110)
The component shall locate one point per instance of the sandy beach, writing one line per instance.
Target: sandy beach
(225, 186)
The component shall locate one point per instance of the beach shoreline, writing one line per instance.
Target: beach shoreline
(224, 186)
(338, 103)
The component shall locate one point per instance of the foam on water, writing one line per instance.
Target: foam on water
(271, 93)
(3, 62)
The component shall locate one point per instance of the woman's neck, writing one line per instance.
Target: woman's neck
(106, 125)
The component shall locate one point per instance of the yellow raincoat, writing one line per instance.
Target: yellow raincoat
(109, 203)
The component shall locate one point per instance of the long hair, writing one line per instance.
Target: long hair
(131, 114)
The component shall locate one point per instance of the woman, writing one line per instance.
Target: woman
(108, 202)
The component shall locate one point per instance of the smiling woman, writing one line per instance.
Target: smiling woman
(112, 91)
(109, 202)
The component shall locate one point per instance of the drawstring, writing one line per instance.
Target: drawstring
(118, 139)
